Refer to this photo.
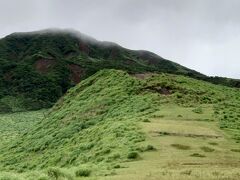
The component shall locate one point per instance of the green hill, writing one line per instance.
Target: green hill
(37, 68)
(119, 126)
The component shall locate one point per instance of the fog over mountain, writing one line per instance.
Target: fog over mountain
(201, 34)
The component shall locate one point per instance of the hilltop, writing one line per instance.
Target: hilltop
(115, 124)
(37, 68)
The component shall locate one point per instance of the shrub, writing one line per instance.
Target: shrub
(83, 172)
(5, 108)
(187, 172)
(114, 156)
(132, 155)
(54, 173)
(57, 173)
(146, 120)
(180, 146)
(235, 150)
(197, 155)
(178, 95)
(117, 166)
(150, 148)
(198, 110)
(206, 149)
(213, 143)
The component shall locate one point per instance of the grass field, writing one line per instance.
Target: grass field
(179, 148)
(114, 126)
(13, 125)
(176, 155)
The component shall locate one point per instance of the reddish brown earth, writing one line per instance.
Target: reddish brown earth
(84, 47)
(44, 65)
(77, 73)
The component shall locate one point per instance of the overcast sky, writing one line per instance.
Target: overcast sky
(201, 34)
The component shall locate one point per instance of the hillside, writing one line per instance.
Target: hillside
(37, 68)
(119, 126)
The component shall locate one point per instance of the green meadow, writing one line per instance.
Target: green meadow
(114, 125)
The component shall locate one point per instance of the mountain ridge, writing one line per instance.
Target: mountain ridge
(37, 68)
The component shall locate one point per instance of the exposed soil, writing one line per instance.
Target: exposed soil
(84, 47)
(77, 73)
(44, 65)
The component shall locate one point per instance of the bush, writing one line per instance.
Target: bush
(180, 146)
(132, 155)
(207, 149)
(57, 173)
(146, 120)
(83, 172)
(117, 166)
(150, 148)
(197, 155)
(187, 172)
(198, 110)
(178, 95)
(4, 108)
(54, 173)
(213, 143)
(235, 150)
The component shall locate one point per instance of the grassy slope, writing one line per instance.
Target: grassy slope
(14, 124)
(106, 117)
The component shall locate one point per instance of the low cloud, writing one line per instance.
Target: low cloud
(201, 34)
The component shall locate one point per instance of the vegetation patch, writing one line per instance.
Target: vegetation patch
(181, 147)
(197, 155)
(213, 143)
(57, 173)
(83, 172)
(198, 110)
(146, 120)
(186, 172)
(235, 150)
(149, 148)
(163, 133)
(132, 155)
(117, 166)
(207, 149)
